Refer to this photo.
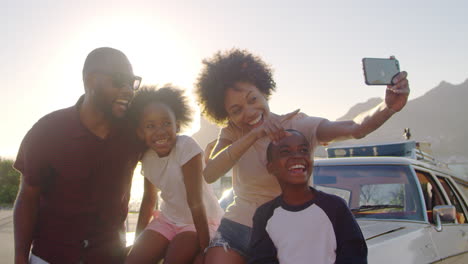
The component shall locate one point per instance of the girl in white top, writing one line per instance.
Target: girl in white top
(172, 164)
(233, 89)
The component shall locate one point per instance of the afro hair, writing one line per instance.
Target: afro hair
(221, 72)
(168, 95)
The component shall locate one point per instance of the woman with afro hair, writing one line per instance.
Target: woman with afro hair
(233, 89)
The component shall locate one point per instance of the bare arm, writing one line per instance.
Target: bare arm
(365, 123)
(361, 126)
(25, 219)
(192, 171)
(148, 203)
(226, 153)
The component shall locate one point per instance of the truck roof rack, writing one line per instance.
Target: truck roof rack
(410, 149)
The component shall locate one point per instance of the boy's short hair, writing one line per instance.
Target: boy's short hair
(268, 150)
(168, 95)
(221, 72)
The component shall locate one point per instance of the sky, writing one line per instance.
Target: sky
(314, 47)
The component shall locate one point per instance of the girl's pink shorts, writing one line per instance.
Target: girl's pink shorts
(169, 229)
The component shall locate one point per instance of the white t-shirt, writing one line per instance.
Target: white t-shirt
(166, 174)
(321, 230)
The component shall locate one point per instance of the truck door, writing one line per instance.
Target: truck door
(452, 241)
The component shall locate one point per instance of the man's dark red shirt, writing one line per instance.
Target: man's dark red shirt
(85, 187)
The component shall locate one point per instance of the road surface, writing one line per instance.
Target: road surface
(6, 236)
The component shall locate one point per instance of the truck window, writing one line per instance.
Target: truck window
(463, 185)
(432, 194)
(373, 191)
(390, 194)
(454, 200)
(343, 194)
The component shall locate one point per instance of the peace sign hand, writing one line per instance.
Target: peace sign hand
(272, 126)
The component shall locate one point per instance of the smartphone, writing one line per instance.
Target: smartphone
(380, 71)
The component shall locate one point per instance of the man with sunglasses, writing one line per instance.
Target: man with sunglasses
(77, 164)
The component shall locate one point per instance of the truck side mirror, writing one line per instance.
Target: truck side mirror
(443, 214)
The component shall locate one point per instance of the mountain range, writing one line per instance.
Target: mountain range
(439, 117)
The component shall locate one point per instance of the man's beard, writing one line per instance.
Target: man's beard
(104, 105)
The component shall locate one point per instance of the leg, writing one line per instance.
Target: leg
(183, 248)
(220, 255)
(230, 244)
(148, 248)
(199, 259)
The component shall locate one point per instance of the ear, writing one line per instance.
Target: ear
(89, 82)
(140, 133)
(178, 127)
(270, 168)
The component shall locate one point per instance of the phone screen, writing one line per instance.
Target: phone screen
(380, 71)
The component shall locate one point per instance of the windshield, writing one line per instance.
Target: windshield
(373, 191)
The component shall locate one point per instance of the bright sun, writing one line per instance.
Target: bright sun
(159, 55)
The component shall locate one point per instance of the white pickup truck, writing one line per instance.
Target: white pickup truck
(411, 209)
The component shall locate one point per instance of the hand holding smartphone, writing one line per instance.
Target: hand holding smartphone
(380, 71)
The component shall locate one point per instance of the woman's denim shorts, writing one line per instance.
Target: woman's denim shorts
(232, 235)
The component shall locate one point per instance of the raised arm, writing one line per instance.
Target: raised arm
(25, 219)
(365, 123)
(148, 203)
(226, 153)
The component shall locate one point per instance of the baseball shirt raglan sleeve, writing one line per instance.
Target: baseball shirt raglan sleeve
(262, 248)
(351, 245)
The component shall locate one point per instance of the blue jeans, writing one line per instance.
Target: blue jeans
(232, 235)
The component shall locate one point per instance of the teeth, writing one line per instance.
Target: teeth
(253, 122)
(121, 101)
(161, 141)
(297, 166)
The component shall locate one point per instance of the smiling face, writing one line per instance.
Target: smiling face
(246, 106)
(111, 99)
(109, 81)
(158, 128)
(289, 160)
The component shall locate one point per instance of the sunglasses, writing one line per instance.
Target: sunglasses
(121, 79)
